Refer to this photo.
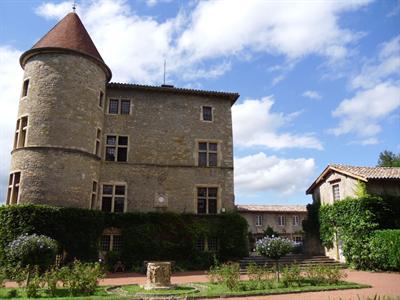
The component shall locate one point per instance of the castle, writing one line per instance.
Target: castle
(82, 141)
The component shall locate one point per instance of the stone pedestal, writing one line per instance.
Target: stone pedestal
(158, 275)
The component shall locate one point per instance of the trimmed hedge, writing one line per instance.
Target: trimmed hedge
(385, 249)
(146, 236)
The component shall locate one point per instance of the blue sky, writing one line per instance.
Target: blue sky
(319, 80)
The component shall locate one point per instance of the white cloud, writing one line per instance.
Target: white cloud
(254, 124)
(388, 64)
(362, 113)
(10, 87)
(196, 36)
(312, 95)
(260, 172)
(291, 28)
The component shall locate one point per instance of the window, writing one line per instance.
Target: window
(296, 220)
(111, 242)
(101, 98)
(200, 244)
(20, 132)
(207, 113)
(93, 195)
(207, 200)
(298, 239)
(125, 107)
(259, 220)
(13, 188)
(113, 198)
(116, 148)
(113, 106)
(97, 146)
(207, 244)
(119, 106)
(25, 88)
(208, 154)
(335, 192)
(281, 220)
(212, 244)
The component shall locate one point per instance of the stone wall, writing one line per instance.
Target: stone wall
(163, 131)
(57, 163)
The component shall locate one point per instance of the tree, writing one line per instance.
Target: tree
(389, 159)
(275, 248)
(269, 231)
(33, 252)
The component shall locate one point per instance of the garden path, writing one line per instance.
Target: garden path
(382, 284)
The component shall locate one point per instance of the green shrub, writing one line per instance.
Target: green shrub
(320, 274)
(81, 279)
(334, 274)
(385, 250)
(146, 236)
(275, 248)
(51, 278)
(354, 220)
(230, 273)
(13, 293)
(260, 277)
(227, 274)
(32, 250)
(3, 276)
(33, 285)
(291, 276)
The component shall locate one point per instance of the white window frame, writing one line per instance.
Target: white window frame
(113, 195)
(281, 220)
(259, 220)
(296, 220)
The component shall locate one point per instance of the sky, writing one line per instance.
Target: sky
(319, 81)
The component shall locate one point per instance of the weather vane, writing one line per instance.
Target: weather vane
(74, 6)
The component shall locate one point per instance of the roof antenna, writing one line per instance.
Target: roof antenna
(74, 6)
(165, 69)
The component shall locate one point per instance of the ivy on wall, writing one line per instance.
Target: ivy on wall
(353, 221)
(146, 236)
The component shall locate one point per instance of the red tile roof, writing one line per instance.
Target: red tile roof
(68, 34)
(361, 173)
(271, 208)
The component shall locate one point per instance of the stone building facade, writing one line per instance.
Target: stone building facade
(338, 182)
(286, 220)
(81, 141)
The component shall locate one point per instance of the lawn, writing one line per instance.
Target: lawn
(205, 290)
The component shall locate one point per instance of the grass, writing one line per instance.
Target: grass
(206, 290)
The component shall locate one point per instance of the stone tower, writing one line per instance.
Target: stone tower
(55, 159)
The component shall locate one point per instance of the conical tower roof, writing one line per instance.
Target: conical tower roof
(68, 35)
